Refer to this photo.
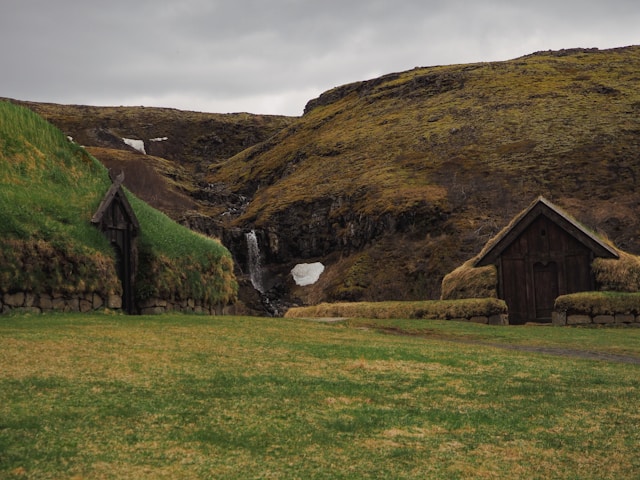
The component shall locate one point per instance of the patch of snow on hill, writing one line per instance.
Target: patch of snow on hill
(158, 139)
(307, 273)
(137, 144)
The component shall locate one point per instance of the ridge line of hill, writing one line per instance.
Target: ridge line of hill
(392, 182)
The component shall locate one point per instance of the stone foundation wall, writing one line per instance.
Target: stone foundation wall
(581, 318)
(27, 302)
(158, 306)
(501, 319)
(43, 302)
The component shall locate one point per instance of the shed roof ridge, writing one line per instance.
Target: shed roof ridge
(494, 246)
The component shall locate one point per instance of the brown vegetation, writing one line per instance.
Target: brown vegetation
(435, 309)
(155, 180)
(448, 152)
(600, 303)
(38, 266)
(394, 182)
(468, 281)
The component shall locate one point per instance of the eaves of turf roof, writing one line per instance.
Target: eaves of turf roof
(542, 206)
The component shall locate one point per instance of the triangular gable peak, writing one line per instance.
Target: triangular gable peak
(117, 195)
(541, 206)
(117, 221)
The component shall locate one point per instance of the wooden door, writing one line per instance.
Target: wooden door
(545, 287)
(119, 231)
(514, 289)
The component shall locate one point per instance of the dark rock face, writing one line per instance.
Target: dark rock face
(430, 84)
(327, 230)
(329, 225)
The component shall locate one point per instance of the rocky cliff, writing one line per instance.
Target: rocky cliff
(392, 182)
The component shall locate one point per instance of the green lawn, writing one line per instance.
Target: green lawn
(227, 397)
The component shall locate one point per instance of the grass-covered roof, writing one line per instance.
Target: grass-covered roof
(50, 188)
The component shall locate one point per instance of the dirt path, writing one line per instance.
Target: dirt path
(558, 351)
(562, 352)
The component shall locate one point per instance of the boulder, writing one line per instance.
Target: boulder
(14, 299)
(114, 302)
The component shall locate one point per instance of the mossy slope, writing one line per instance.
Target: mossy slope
(395, 181)
(50, 188)
(180, 145)
(434, 160)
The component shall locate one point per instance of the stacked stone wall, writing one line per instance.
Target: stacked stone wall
(27, 302)
(158, 306)
(499, 319)
(584, 318)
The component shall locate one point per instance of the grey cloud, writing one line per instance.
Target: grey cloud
(206, 52)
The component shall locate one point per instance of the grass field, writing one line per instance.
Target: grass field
(107, 397)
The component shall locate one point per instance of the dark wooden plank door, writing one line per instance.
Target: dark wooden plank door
(545, 287)
(514, 289)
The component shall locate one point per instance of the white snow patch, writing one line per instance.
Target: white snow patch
(137, 144)
(307, 273)
(158, 139)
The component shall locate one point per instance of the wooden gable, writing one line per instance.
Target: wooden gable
(117, 221)
(542, 206)
(543, 253)
(115, 210)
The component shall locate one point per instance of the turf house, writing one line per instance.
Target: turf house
(542, 254)
(73, 241)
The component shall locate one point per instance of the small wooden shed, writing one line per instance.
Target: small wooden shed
(117, 221)
(542, 254)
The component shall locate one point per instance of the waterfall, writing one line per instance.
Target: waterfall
(253, 261)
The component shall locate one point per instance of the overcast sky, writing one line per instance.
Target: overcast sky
(272, 56)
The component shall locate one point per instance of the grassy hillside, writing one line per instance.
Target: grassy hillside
(395, 181)
(183, 136)
(50, 188)
(416, 170)
(179, 145)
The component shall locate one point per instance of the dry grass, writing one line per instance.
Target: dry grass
(157, 181)
(443, 309)
(622, 274)
(599, 303)
(468, 281)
